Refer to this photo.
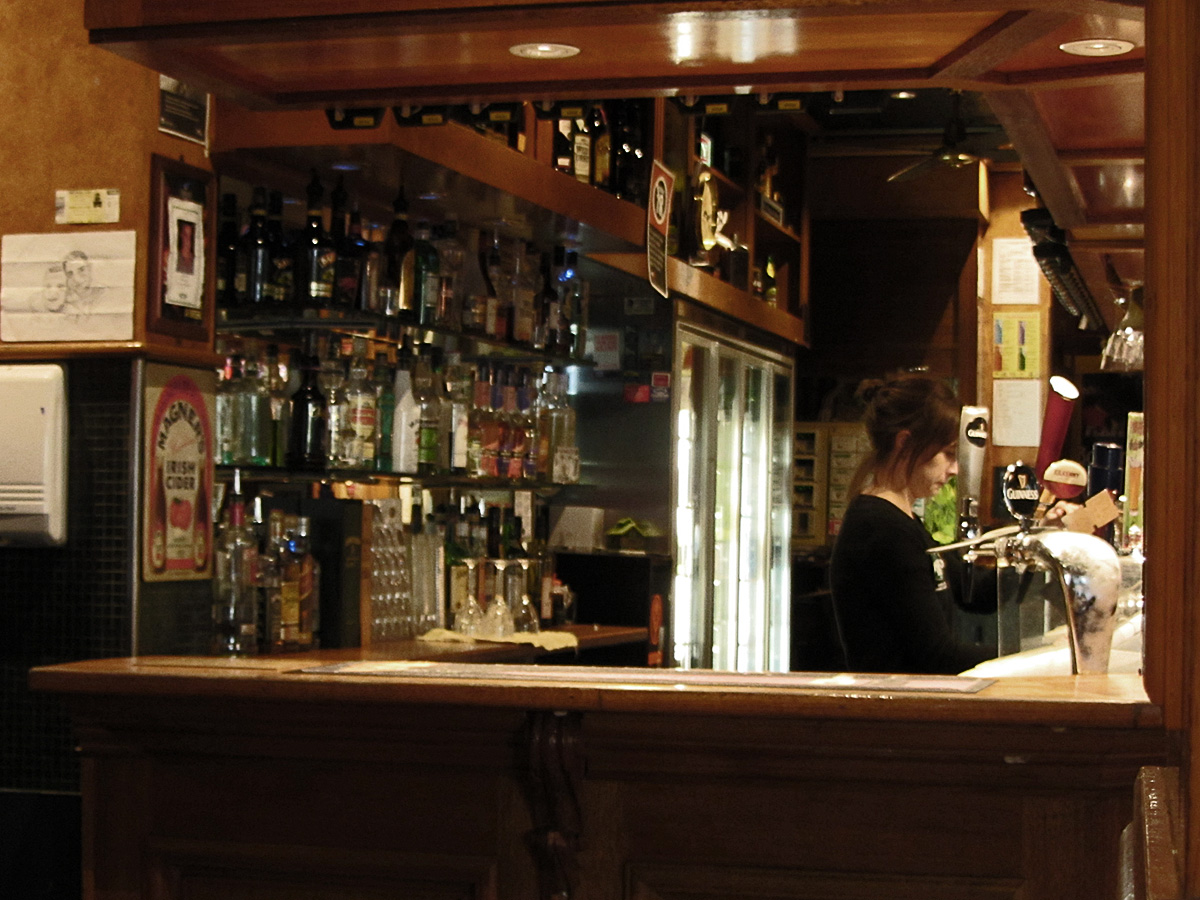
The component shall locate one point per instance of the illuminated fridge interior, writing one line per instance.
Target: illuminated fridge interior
(732, 504)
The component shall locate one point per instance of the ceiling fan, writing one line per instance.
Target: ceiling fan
(958, 147)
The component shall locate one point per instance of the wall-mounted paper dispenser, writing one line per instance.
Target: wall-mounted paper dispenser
(33, 454)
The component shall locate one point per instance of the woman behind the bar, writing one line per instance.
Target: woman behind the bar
(893, 599)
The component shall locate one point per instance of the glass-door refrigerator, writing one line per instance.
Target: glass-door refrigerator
(731, 497)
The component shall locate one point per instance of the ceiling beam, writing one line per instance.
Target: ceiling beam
(1009, 34)
(1023, 124)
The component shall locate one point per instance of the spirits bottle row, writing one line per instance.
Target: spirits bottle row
(266, 582)
(606, 144)
(421, 413)
(460, 280)
(473, 568)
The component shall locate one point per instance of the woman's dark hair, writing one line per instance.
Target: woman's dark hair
(920, 404)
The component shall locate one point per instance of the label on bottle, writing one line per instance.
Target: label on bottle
(459, 430)
(602, 160)
(583, 157)
(427, 446)
(406, 434)
(289, 611)
(362, 417)
(523, 317)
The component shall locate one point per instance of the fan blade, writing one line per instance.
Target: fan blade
(914, 170)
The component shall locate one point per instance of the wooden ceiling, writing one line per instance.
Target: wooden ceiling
(1077, 123)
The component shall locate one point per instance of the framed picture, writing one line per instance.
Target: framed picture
(182, 203)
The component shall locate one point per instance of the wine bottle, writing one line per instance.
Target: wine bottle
(308, 442)
(427, 274)
(351, 266)
(601, 137)
(281, 286)
(235, 581)
(406, 419)
(316, 256)
(252, 264)
(227, 246)
(385, 392)
(361, 413)
(399, 266)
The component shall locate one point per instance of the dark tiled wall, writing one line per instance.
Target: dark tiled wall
(72, 602)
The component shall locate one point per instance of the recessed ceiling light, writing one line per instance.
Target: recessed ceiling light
(904, 95)
(543, 51)
(1096, 47)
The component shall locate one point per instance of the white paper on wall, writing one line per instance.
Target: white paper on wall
(67, 286)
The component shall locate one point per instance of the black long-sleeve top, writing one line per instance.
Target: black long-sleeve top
(893, 598)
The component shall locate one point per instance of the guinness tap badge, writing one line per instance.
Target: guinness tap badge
(977, 431)
(1021, 490)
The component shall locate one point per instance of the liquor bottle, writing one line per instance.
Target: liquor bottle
(492, 427)
(770, 289)
(461, 567)
(255, 435)
(281, 405)
(227, 244)
(456, 412)
(351, 265)
(514, 432)
(576, 302)
(308, 441)
(495, 320)
(547, 305)
(450, 262)
(473, 288)
(281, 284)
(601, 135)
(581, 150)
(308, 576)
(631, 159)
(384, 381)
(564, 453)
(542, 578)
(316, 256)
(523, 322)
(372, 274)
(406, 420)
(252, 263)
(235, 580)
(399, 266)
(427, 273)
(568, 287)
(338, 200)
(361, 413)
(480, 409)
(270, 568)
(518, 574)
(429, 416)
(333, 384)
(527, 391)
(564, 155)
(226, 409)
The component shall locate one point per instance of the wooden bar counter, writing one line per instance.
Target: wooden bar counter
(339, 775)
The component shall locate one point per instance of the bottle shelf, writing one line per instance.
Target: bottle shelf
(714, 293)
(480, 180)
(252, 474)
(282, 326)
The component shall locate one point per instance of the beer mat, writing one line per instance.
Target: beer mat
(842, 681)
(546, 640)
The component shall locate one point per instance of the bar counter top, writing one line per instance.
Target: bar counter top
(438, 771)
(475, 675)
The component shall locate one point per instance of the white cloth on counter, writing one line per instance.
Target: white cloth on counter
(546, 640)
(1054, 658)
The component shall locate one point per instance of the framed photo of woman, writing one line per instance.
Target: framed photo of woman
(182, 200)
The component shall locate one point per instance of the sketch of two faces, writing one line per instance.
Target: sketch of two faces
(67, 287)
